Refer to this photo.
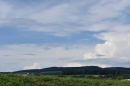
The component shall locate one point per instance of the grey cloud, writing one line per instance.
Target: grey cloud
(29, 54)
(99, 55)
(65, 59)
(6, 55)
(66, 17)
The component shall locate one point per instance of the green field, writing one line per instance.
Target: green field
(20, 80)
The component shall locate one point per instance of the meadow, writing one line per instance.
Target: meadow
(31, 80)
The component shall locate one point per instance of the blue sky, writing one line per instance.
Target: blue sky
(44, 33)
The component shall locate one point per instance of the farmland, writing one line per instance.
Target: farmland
(57, 80)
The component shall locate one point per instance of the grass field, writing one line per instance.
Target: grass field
(19, 80)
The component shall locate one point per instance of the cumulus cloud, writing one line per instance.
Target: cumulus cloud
(116, 45)
(34, 66)
(90, 55)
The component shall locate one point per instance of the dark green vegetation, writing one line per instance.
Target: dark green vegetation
(112, 72)
(67, 76)
(61, 80)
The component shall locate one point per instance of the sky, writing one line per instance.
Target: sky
(36, 34)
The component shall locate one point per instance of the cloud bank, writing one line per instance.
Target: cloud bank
(67, 17)
(19, 56)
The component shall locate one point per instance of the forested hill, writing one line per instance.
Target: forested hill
(78, 70)
(57, 69)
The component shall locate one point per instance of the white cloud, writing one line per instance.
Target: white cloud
(74, 65)
(41, 51)
(5, 9)
(47, 56)
(93, 62)
(116, 45)
(90, 55)
(66, 17)
(34, 66)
